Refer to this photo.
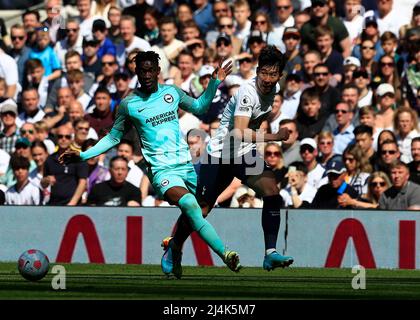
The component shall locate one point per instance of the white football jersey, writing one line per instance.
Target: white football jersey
(248, 102)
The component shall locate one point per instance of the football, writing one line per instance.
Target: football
(33, 265)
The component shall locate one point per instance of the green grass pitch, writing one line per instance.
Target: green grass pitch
(90, 281)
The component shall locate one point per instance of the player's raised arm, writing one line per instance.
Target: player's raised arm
(202, 104)
(103, 145)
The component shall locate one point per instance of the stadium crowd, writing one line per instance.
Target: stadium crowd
(349, 97)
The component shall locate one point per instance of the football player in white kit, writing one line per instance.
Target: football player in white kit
(232, 153)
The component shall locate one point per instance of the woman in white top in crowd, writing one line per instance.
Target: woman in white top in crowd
(406, 128)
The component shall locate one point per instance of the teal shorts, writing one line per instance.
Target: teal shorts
(182, 175)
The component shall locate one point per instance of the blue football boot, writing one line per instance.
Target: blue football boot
(275, 260)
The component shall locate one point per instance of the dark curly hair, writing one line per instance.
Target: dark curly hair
(151, 56)
(272, 56)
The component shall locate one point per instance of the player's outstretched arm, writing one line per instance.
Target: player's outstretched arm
(202, 104)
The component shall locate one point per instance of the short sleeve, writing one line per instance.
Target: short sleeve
(245, 102)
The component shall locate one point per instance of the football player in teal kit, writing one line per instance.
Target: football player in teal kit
(153, 110)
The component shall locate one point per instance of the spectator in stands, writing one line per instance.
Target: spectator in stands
(42, 134)
(388, 73)
(353, 20)
(370, 32)
(190, 31)
(117, 191)
(151, 22)
(320, 17)
(9, 133)
(73, 62)
(388, 17)
(114, 32)
(276, 114)
(388, 153)
(350, 65)
(76, 83)
(72, 42)
(364, 139)
(68, 182)
(136, 12)
(226, 26)
(101, 118)
(100, 32)
(291, 39)
(358, 168)
(378, 183)
(414, 165)
(329, 95)
(85, 17)
(291, 95)
(406, 128)
(343, 134)
(349, 95)
(298, 193)
(310, 60)
(255, 44)
(389, 43)
(361, 80)
(274, 159)
(301, 17)
(53, 21)
(386, 105)
(131, 41)
(404, 194)
(325, 149)
(290, 147)
(97, 172)
(324, 37)
(185, 64)
(106, 79)
(126, 149)
(122, 84)
(131, 68)
(241, 13)
(9, 72)
(284, 17)
(19, 51)
(39, 154)
(27, 130)
(367, 58)
(44, 52)
(21, 149)
(409, 83)
(196, 140)
(37, 79)
(219, 102)
(310, 120)
(23, 192)
(309, 153)
(4, 161)
(30, 21)
(81, 130)
(330, 195)
(32, 111)
(244, 197)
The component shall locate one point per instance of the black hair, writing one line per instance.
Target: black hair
(151, 56)
(300, 166)
(361, 129)
(102, 89)
(416, 139)
(88, 143)
(19, 162)
(34, 12)
(271, 56)
(127, 142)
(116, 158)
(39, 143)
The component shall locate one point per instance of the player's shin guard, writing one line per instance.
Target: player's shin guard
(190, 207)
(271, 220)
